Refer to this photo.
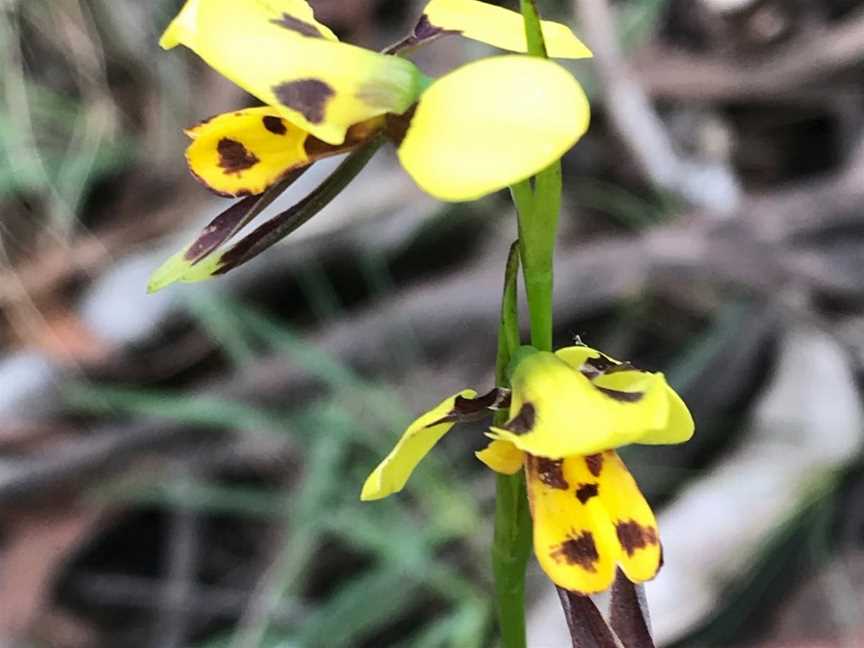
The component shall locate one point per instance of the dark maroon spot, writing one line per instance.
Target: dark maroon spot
(275, 125)
(424, 32)
(524, 421)
(586, 491)
(594, 463)
(621, 396)
(296, 25)
(309, 97)
(398, 125)
(475, 409)
(578, 550)
(594, 367)
(633, 536)
(551, 472)
(234, 157)
(603, 365)
(496, 398)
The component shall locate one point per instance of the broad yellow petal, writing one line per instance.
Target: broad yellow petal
(679, 424)
(558, 412)
(502, 457)
(320, 85)
(636, 531)
(498, 27)
(574, 539)
(492, 123)
(295, 16)
(677, 428)
(393, 472)
(245, 152)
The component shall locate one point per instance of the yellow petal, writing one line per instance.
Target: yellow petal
(559, 412)
(499, 27)
(246, 151)
(392, 474)
(574, 539)
(678, 427)
(502, 457)
(492, 123)
(636, 531)
(295, 16)
(321, 85)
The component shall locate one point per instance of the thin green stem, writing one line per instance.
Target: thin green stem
(537, 204)
(511, 545)
(511, 549)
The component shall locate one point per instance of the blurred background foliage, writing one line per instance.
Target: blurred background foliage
(183, 469)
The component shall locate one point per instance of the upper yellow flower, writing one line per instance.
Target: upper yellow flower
(570, 410)
(474, 131)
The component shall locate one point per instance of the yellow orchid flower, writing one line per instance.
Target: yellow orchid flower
(476, 130)
(570, 410)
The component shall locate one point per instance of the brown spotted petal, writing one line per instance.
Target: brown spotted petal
(589, 517)
(247, 151)
(574, 540)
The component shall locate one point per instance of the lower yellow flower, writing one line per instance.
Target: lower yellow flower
(570, 410)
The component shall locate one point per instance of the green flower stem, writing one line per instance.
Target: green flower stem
(511, 546)
(511, 549)
(537, 204)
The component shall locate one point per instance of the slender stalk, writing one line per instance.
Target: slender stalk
(511, 549)
(511, 546)
(538, 205)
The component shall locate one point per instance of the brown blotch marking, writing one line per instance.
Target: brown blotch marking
(398, 125)
(586, 491)
(578, 550)
(621, 396)
(594, 367)
(633, 536)
(424, 32)
(234, 157)
(603, 365)
(309, 97)
(275, 125)
(524, 421)
(475, 409)
(551, 473)
(595, 464)
(296, 25)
